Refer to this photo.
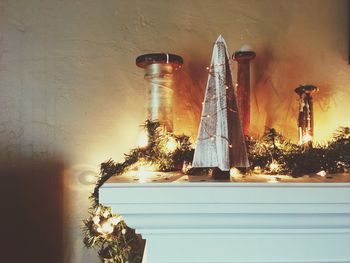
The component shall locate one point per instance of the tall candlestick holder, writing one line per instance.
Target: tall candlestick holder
(243, 89)
(159, 72)
(306, 114)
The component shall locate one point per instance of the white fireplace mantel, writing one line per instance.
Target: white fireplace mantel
(221, 222)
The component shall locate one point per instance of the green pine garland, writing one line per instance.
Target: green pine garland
(116, 246)
(332, 157)
(118, 243)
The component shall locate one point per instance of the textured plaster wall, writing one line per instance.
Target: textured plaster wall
(72, 97)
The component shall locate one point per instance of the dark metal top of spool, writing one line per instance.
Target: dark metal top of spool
(159, 58)
(243, 55)
(306, 89)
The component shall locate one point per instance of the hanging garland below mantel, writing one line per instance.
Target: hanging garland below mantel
(164, 151)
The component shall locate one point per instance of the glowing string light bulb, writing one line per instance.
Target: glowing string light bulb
(274, 166)
(106, 213)
(115, 220)
(307, 138)
(322, 173)
(106, 228)
(234, 172)
(96, 219)
(171, 145)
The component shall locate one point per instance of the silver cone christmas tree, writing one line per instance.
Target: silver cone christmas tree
(220, 141)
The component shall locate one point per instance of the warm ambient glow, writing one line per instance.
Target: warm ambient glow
(143, 139)
(145, 171)
(272, 179)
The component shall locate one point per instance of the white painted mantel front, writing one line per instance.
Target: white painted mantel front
(221, 222)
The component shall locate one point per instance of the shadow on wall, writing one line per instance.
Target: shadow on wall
(189, 95)
(327, 98)
(31, 211)
(274, 102)
(263, 87)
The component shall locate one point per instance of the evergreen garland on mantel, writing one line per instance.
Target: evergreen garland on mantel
(270, 154)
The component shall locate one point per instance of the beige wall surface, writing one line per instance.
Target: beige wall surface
(71, 95)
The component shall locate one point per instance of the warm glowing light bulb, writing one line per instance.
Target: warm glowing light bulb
(143, 139)
(322, 173)
(115, 220)
(106, 227)
(186, 167)
(234, 172)
(96, 219)
(307, 138)
(105, 213)
(274, 166)
(90, 178)
(99, 230)
(171, 145)
(257, 169)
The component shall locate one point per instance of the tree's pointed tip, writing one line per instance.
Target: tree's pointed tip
(220, 39)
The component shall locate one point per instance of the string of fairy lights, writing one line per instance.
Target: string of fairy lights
(159, 149)
(218, 75)
(272, 154)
